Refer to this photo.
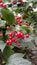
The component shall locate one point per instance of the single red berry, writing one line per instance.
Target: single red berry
(27, 35)
(0, 1)
(15, 33)
(18, 45)
(10, 37)
(10, 42)
(22, 36)
(13, 39)
(10, 34)
(1, 4)
(16, 41)
(1, 34)
(4, 5)
(7, 41)
(13, 2)
(20, 21)
(21, 33)
(18, 34)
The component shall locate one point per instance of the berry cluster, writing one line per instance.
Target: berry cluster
(11, 38)
(27, 35)
(19, 35)
(14, 38)
(19, 20)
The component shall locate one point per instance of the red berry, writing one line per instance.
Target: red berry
(9, 42)
(10, 34)
(1, 4)
(21, 33)
(4, 5)
(18, 34)
(18, 45)
(22, 36)
(16, 41)
(1, 34)
(17, 20)
(27, 35)
(13, 39)
(20, 21)
(0, 1)
(8, 27)
(13, 2)
(10, 37)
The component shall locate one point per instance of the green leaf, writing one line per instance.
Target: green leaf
(2, 45)
(25, 29)
(2, 23)
(16, 59)
(8, 16)
(7, 52)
